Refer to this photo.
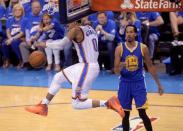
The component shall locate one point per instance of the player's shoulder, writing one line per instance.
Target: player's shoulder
(143, 45)
(143, 48)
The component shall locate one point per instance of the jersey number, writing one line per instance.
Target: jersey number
(95, 44)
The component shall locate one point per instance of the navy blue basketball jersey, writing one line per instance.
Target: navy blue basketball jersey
(133, 71)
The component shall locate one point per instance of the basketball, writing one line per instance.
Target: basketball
(37, 59)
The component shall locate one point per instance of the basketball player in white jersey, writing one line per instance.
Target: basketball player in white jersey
(81, 75)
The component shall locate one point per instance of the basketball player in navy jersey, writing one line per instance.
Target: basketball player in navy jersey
(81, 75)
(129, 63)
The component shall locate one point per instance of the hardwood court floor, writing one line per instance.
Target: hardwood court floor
(61, 117)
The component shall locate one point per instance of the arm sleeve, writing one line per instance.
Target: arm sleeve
(58, 44)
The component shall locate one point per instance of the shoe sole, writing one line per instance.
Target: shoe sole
(31, 111)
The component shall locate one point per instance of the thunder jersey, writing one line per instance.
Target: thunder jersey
(133, 71)
(87, 50)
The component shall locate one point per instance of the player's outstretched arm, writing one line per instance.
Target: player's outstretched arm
(151, 68)
(58, 44)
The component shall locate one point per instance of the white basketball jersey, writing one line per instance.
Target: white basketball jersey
(87, 50)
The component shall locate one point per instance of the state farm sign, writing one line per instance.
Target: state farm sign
(135, 5)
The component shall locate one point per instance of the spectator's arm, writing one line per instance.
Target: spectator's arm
(46, 28)
(108, 36)
(159, 21)
(66, 40)
(19, 35)
(8, 33)
(27, 34)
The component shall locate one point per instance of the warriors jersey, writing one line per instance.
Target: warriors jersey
(87, 50)
(133, 71)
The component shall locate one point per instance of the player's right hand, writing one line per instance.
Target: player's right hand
(122, 65)
(160, 90)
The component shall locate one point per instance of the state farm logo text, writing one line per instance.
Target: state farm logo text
(148, 4)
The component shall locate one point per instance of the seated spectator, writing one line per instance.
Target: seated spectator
(52, 8)
(2, 14)
(27, 5)
(31, 29)
(150, 32)
(176, 19)
(6, 2)
(2, 9)
(9, 10)
(93, 17)
(51, 31)
(176, 54)
(106, 30)
(128, 18)
(15, 29)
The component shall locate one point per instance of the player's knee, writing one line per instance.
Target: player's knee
(127, 115)
(58, 78)
(142, 113)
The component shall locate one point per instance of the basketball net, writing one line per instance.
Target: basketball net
(136, 5)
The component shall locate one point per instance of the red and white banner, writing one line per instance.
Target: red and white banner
(135, 5)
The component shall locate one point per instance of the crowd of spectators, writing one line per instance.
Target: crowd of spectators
(25, 22)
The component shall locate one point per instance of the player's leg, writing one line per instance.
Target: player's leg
(81, 89)
(125, 121)
(124, 96)
(140, 97)
(82, 85)
(145, 118)
(80, 104)
(58, 79)
(49, 54)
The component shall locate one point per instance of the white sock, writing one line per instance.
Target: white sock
(45, 101)
(77, 104)
(102, 103)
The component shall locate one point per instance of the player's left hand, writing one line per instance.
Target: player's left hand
(160, 90)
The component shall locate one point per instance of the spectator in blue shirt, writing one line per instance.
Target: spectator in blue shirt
(106, 29)
(15, 28)
(51, 30)
(27, 5)
(9, 10)
(32, 28)
(93, 17)
(52, 8)
(176, 19)
(2, 9)
(176, 55)
(2, 36)
(150, 21)
(2, 15)
(128, 18)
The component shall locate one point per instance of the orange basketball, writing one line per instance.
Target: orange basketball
(37, 59)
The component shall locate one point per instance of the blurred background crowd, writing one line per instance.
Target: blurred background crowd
(25, 22)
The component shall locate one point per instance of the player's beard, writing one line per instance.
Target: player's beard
(129, 39)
